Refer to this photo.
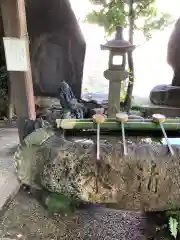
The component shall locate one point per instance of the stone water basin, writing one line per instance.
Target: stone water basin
(25, 216)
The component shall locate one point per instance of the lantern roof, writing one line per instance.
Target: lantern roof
(118, 44)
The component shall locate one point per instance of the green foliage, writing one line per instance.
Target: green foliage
(154, 20)
(111, 13)
(173, 226)
(174, 222)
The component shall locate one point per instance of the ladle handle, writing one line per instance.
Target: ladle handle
(167, 140)
(123, 117)
(98, 141)
(123, 137)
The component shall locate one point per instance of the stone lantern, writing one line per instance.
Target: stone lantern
(116, 72)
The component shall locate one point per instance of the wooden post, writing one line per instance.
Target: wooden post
(14, 22)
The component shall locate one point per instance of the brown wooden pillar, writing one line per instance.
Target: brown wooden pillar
(14, 22)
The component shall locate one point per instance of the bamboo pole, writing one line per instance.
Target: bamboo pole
(170, 124)
(169, 120)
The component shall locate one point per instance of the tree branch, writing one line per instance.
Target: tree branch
(144, 7)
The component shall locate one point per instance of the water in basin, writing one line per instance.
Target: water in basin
(175, 141)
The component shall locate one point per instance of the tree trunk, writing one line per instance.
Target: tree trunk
(130, 58)
(148, 179)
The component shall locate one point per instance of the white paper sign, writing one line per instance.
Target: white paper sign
(15, 53)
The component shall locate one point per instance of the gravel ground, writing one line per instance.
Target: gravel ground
(25, 216)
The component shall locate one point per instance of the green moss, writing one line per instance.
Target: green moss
(58, 203)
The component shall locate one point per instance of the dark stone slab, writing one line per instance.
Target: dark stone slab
(165, 95)
(148, 111)
(57, 46)
(173, 53)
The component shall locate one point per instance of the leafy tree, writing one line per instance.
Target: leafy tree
(136, 15)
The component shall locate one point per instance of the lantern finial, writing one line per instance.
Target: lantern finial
(119, 33)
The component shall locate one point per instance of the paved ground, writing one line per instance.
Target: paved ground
(26, 217)
(8, 181)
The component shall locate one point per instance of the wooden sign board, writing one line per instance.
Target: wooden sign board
(16, 54)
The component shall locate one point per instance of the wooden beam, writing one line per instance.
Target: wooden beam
(14, 22)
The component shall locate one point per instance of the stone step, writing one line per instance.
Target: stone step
(9, 186)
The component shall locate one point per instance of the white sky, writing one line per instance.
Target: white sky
(150, 58)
